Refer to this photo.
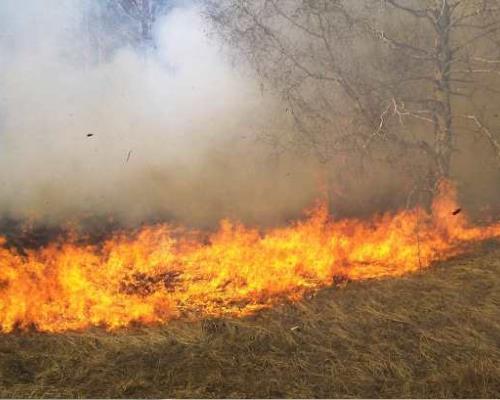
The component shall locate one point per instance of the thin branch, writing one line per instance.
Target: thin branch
(495, 143)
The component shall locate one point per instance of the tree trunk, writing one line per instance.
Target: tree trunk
(443, 129)
(147, 21)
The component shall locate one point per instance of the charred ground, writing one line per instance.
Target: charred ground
(430, 334)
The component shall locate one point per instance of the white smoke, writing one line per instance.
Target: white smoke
(173, 134)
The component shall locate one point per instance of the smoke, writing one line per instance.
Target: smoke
(174, 134)
(171, 135)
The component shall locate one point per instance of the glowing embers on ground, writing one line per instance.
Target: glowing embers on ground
(157, 274)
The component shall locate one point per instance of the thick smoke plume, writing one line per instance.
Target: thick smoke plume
(171, 134)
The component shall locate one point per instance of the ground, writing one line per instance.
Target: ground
(431, 334)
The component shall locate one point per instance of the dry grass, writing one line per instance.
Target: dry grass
(432, 334)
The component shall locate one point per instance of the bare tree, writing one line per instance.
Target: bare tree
(300, 51)
(452, 65)
(112, 24)
(144, 13)
(369, 76)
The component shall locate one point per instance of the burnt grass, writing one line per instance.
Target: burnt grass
(433, 334)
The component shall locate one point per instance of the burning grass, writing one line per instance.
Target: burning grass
(347, 309)
(155, 275)
(430, 334)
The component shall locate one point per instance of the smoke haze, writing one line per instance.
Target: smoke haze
(173, 134)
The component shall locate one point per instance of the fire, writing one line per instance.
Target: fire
(157, 274)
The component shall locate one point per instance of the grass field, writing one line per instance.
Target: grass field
(431, 334)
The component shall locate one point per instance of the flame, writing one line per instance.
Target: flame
(157, 274)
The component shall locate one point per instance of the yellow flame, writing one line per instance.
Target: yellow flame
(156, 274)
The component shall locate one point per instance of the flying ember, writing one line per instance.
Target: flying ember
(157, 274)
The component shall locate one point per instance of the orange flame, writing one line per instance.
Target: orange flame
(154, 275)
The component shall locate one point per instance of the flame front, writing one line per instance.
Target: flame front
(156, 275)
